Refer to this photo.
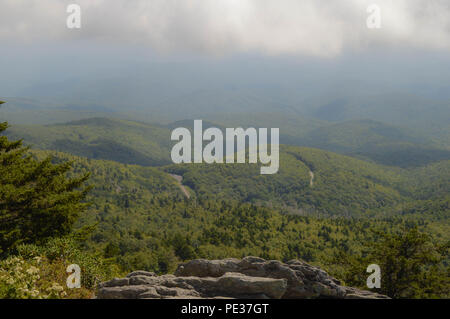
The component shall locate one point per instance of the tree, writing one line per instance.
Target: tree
(411, 265)
(37, 199)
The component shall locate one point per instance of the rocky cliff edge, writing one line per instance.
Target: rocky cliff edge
(250, 277)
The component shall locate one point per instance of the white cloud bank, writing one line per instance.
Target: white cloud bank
(306, 27)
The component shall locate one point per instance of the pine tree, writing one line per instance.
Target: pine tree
(411, 265)
(37, 199)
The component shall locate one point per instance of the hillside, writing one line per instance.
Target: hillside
(431, 181)
(142, 220)
(37, 111)
(340, 186)
(147, 144)
(136, 208)
(405, 110)
(426, 116)
(101, 138)
(375, 141)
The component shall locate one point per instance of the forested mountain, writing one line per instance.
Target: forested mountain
(315, 181)
(375, 141)
(90, 175)
(402, 109)
(144, 221)
(139, 218)
(147, 144)
(309, 181)
(101, 138)
(340, 185)
(32, 111)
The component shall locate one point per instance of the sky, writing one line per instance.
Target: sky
(184, 45)
(272, 27)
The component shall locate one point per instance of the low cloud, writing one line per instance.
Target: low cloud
(309, 27)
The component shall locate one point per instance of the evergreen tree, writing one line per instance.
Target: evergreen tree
(37, 199)
(410, 262)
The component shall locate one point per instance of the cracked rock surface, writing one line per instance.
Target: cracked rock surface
(250, 277)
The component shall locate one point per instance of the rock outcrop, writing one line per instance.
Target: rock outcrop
(250, 277)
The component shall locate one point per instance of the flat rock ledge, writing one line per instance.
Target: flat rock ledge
(250, 277)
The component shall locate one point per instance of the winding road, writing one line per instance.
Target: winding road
(311, 174)
(311, 181)
(179, 179)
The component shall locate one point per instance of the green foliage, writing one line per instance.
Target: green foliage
(427, 117)
(375, 141)
(21, 279)
(411, 265)
(341, 185)
(39, 272)
(139, 218)
(101, 138)
(66, 251)
(144, 222)
(149, 144)
(429, 182)
(37, 201)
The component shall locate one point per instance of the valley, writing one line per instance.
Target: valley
(155, 149)
(148, 213)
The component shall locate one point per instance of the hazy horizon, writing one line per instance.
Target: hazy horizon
(138, 54)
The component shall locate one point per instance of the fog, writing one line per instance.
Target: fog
(142, 53)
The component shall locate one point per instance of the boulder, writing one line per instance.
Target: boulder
(250, 277)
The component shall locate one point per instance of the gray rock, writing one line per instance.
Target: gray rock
(116, 282)
(236, 284)
(250, 277)
(141, 273)
(207, 268)
(353, 293)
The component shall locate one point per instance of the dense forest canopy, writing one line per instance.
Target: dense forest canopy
(331, 210)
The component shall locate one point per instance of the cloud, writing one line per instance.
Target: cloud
(272, 27)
